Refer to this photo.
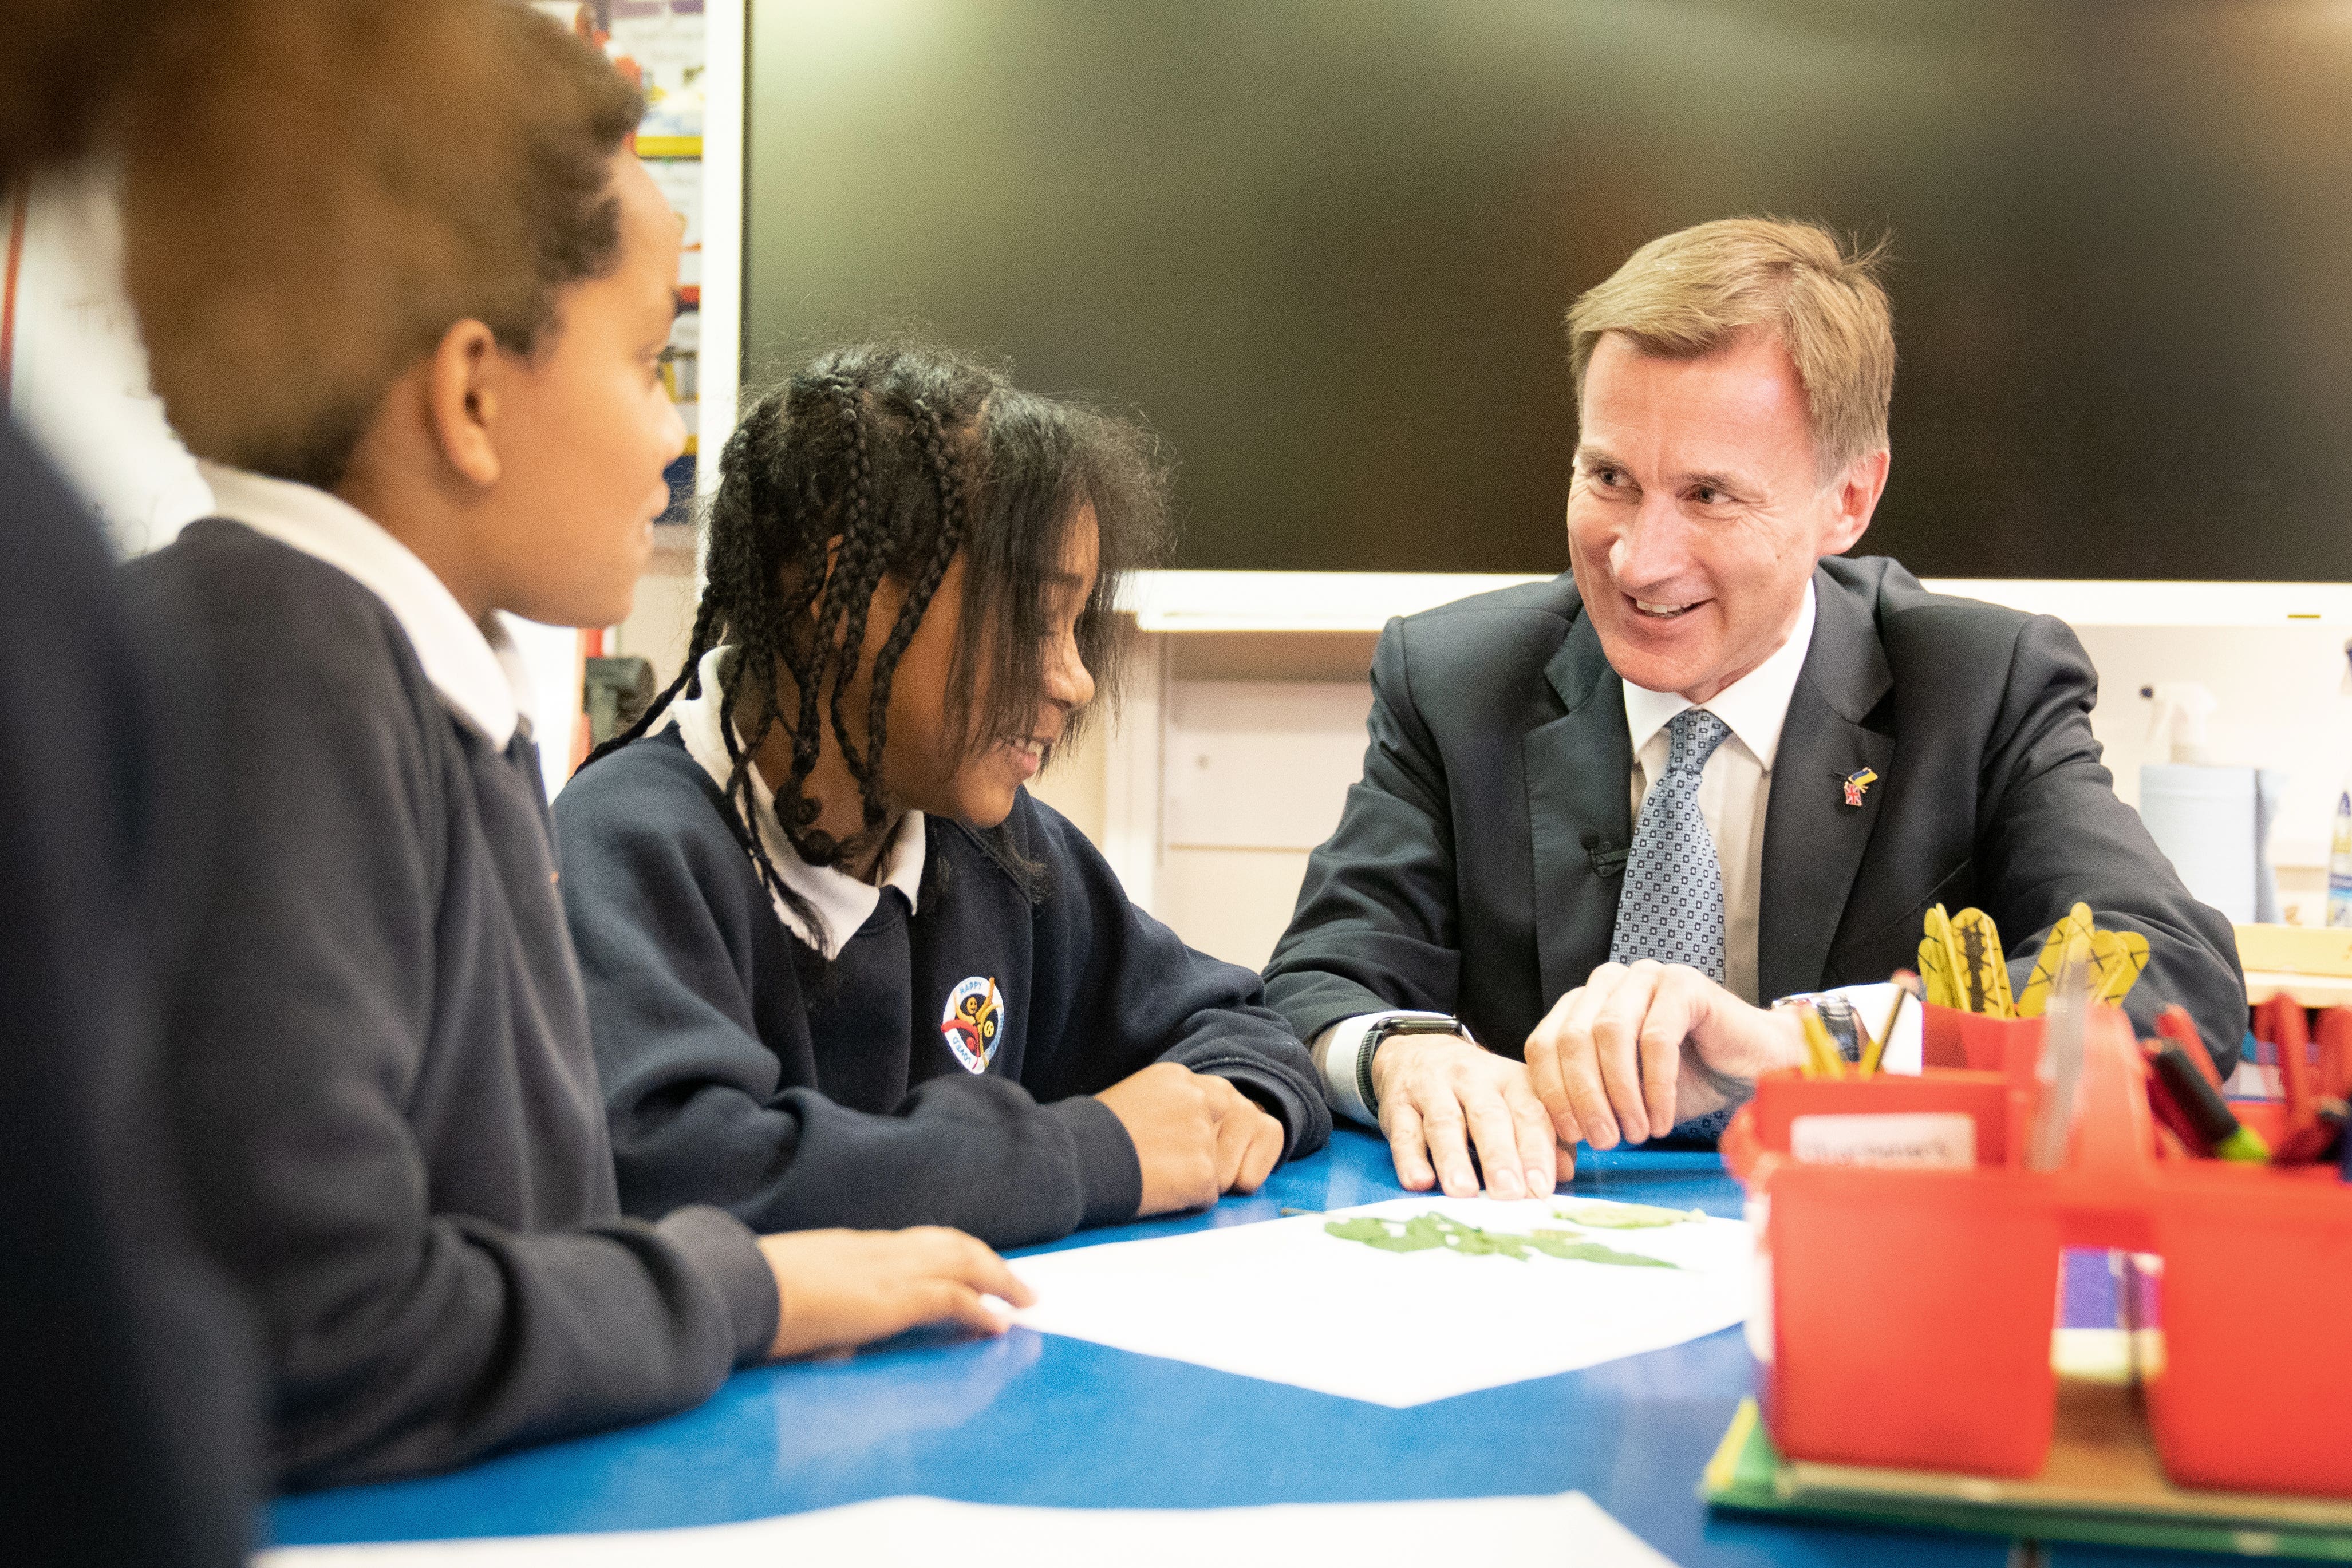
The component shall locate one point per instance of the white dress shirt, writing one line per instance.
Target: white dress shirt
(1733, 790)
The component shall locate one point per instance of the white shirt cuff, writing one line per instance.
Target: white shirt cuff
(1347, 1066)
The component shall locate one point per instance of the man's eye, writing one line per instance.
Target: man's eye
(1708, 496)
(1608, 479)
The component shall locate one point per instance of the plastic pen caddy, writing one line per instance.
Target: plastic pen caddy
(1906, 1310)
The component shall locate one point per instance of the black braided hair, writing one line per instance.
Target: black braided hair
(895, 459)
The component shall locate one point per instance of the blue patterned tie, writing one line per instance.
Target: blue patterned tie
(1671, 906)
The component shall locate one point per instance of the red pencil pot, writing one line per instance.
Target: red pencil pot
(1949, 1038)
(1910, 1316)
(2257, 1390)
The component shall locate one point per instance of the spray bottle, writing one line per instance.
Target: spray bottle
(2210, 821)
(2179, 720)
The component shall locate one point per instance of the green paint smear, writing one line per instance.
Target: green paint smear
(1629, 1216)
(1434, 1230)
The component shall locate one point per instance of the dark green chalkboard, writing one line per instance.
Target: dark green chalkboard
(1324, 246)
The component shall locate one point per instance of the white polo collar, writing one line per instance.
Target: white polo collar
(841, 901)
(1755, 706)
(476, 669)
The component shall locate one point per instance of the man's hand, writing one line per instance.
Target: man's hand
(1195, 1134)
(838, 1289)
(1439, 1095)
(1638, 1048)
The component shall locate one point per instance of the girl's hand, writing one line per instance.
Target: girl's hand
(1195, 1135)
(839, 1289)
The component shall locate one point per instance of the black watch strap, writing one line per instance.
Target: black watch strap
(1405, 1023)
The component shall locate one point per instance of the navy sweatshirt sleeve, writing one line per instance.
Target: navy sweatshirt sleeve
(403, 1338)
(679, 948)
(1126, 992)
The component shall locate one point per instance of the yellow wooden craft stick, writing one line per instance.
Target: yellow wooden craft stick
(1955, 966)
(1934, 987)
(2032, 1001)
(1937, 970)
(2081, 955)
(1820, 1051)
(2118, 957)
(1984, 968)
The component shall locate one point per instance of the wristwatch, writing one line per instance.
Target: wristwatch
(1380, 1029)
(1837, 1016)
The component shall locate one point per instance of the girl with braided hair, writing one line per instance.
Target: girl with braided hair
(842, 968)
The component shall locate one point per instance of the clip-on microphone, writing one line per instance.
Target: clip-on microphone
(1605, 863)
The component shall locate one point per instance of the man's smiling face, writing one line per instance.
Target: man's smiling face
(1696, 511)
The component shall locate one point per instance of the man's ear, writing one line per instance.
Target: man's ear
(1854, 498)
(461, 400)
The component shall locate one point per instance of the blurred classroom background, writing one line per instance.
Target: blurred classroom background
(1323, 247)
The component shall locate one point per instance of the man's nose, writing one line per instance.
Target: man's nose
(1652, 549)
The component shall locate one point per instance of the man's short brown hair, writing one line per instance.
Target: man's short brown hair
(1687, 294)
(315, 192)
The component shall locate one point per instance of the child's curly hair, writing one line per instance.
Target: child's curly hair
(893, 459)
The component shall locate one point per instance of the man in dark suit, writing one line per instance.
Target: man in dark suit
(1605, 819)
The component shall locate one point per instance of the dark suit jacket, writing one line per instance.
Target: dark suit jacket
(1459, 879)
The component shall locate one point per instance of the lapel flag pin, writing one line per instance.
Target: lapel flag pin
(1855, 783)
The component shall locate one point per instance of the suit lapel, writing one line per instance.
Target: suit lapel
(1813, 841)
(1579, 780)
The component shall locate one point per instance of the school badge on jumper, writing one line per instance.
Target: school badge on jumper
(1855, 783)
(972, 1020)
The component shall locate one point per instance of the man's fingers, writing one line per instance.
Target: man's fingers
(1441, 1125)
(1407, 1148)
(1496, 1136)
(1616, 1047)
(1537, 1143)
(1580, 1073)
(1673, 1012)
(1543, 1054)
(1564, 1156)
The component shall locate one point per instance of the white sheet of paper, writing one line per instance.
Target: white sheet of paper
(1285, 1302)
(925, 1533)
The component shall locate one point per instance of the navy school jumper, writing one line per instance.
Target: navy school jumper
(376, 1049)
(740, 1070)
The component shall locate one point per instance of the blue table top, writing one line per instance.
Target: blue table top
(1040, 1419)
